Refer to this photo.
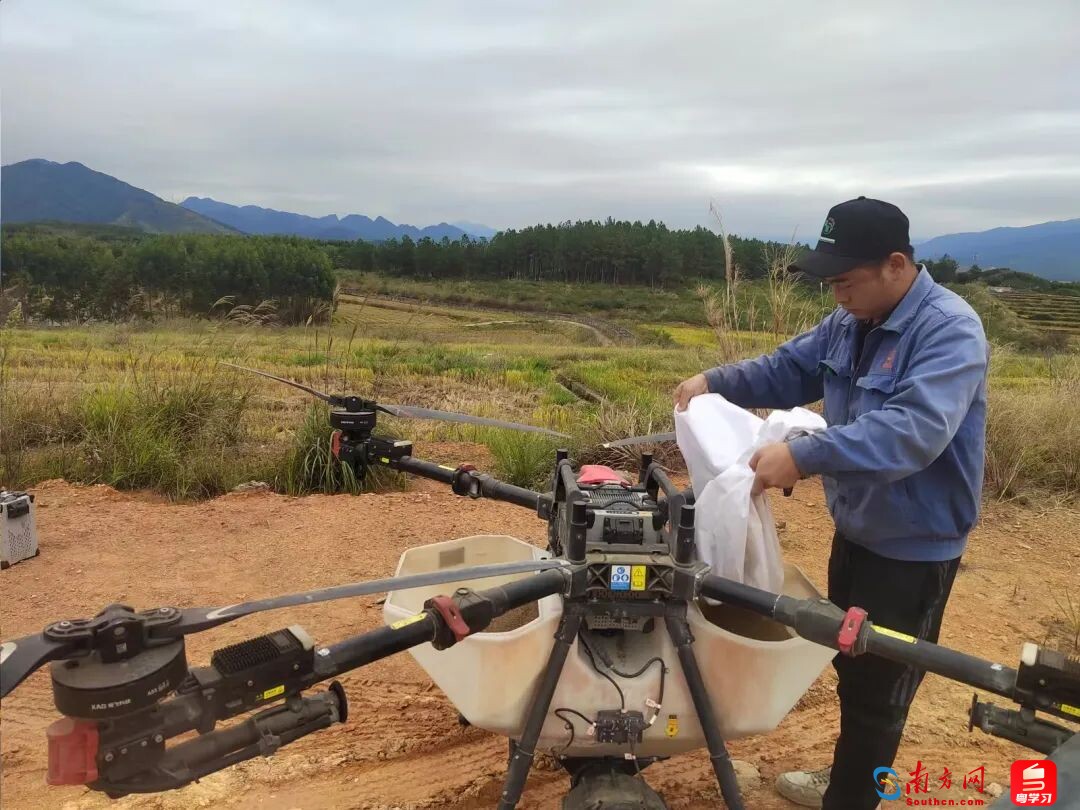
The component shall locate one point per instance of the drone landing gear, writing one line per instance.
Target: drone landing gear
(523, 753)
(681, 637)
(605, 783)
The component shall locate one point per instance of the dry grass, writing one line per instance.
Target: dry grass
(53, 380)
(1033, 434)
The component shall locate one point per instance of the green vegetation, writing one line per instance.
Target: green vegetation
(609, 252)
(59, 276)
(310, 466)
(1014, 279)
(632, 306)
(524, 459)
(144, 404)
(173, 430)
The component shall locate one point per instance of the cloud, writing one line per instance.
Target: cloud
(967, 114)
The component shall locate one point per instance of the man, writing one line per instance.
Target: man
(901, 365)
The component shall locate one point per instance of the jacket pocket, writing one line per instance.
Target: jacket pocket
(882, 383)
(874, 390)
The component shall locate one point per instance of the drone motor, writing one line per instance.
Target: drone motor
(90, 688)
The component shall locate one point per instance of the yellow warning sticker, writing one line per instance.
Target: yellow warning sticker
(672, 725)
(416, 617)
(1073, 710)
(637, 577)
(384, 460)
(885, 631)
(271, 693)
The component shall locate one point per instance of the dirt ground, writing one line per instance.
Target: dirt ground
(402, 746)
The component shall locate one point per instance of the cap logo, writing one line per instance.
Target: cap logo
(827, 229)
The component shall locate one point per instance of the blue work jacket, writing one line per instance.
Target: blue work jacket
(902, 457)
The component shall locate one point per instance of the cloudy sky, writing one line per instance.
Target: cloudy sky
(966, 113)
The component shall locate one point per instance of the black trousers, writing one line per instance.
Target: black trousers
(875, 693)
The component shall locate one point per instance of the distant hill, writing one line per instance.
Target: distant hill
(40, 190)
(475, 229)
(1050, 250)
(253, 219)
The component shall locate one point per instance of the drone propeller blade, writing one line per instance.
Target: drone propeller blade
(652, 438)
(25, 655)
(194, 620)
(410, 412)
(332, 400)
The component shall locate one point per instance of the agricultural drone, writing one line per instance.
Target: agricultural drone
(628, 591)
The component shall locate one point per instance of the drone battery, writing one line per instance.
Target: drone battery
(18, 534)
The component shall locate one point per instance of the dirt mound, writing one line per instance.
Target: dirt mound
(402, 746)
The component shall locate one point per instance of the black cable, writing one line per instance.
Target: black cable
(633, 757)
(574, 711)
(644, 667)
(569, 727)
(565, 748)
(588, 651)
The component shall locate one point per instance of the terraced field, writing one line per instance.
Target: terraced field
(1045, 311)
(386, 319)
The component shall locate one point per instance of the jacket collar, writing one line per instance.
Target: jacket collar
(904, 313)
(908, 307)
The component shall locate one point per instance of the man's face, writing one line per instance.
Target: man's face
(870, 292)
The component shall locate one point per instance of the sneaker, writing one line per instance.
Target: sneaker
(805, 788)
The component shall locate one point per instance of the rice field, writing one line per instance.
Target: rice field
(1045, 311)
(71, 396)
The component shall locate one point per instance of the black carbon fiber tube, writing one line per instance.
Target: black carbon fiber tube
(517, 773)
(526, 590)
(723, 768)
(371, 646)
(819, 620)
(423, 626)
(483, 484)
(735, 593)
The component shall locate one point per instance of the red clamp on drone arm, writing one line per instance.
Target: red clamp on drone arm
(452, 621)
(849, 630)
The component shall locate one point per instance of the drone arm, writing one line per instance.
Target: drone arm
(820, 621)
(465, 480)
(130, 751)
(371, 646)
(259, 735)
(444, 622)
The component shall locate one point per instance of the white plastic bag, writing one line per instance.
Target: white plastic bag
(735, 532)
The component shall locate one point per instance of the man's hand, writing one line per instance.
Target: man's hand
(688, 389)
(775, 467)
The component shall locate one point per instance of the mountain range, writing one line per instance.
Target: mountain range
(1050, 249)
(37, 190)
(253, 219)
(41, 190)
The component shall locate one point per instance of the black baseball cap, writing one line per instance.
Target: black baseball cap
(856, 232)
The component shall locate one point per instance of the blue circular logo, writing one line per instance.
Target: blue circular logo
(887, 783)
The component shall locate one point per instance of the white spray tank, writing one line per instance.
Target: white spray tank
(755, 670)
